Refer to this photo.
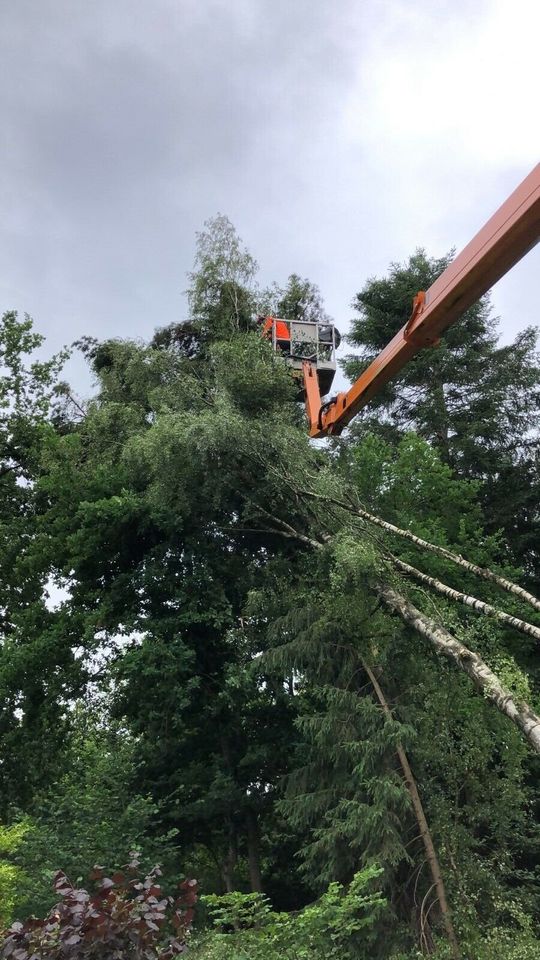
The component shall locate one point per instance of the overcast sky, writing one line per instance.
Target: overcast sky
(337, 135)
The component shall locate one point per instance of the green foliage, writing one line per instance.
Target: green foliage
(11, 875)
(89, 816)
(478, 403)
(201, 689)
(32, 722)
(251, 374)
(221, 295)
(340, 924)
(299, 299)
(507, 944)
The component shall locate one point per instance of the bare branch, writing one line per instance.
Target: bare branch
(316, 544)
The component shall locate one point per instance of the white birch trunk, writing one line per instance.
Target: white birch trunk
(471, 663)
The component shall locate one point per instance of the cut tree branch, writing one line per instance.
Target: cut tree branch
(471, 663)
(485, 608)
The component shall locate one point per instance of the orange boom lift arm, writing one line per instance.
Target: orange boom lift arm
(510, 233)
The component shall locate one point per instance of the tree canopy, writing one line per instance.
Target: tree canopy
(292, 670)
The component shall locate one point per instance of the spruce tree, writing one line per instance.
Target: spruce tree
(476, 401)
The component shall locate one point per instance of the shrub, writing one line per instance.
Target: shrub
(10, 874)
(125, 918)
(339, 925)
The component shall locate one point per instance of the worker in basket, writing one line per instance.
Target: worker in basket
(282, 332)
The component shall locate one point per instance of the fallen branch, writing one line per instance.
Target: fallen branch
(485, 608)
(484, 572)
(471, 663)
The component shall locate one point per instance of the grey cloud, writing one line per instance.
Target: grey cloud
(126, 124)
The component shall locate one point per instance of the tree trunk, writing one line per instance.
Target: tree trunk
(229, 863)
(442, 433)
(483, 678)
(252, 829)
(425, 833)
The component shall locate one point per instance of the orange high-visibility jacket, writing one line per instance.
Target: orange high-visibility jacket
(282, 329)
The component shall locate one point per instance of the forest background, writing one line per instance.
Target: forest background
(295, 671)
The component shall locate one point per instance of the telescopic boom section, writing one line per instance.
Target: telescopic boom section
(510, 233)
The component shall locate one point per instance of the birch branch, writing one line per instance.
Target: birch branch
(471, 663)
(484, 679)
(478, 605)
(484, 572)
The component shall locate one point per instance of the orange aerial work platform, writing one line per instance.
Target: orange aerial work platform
(507, 236)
